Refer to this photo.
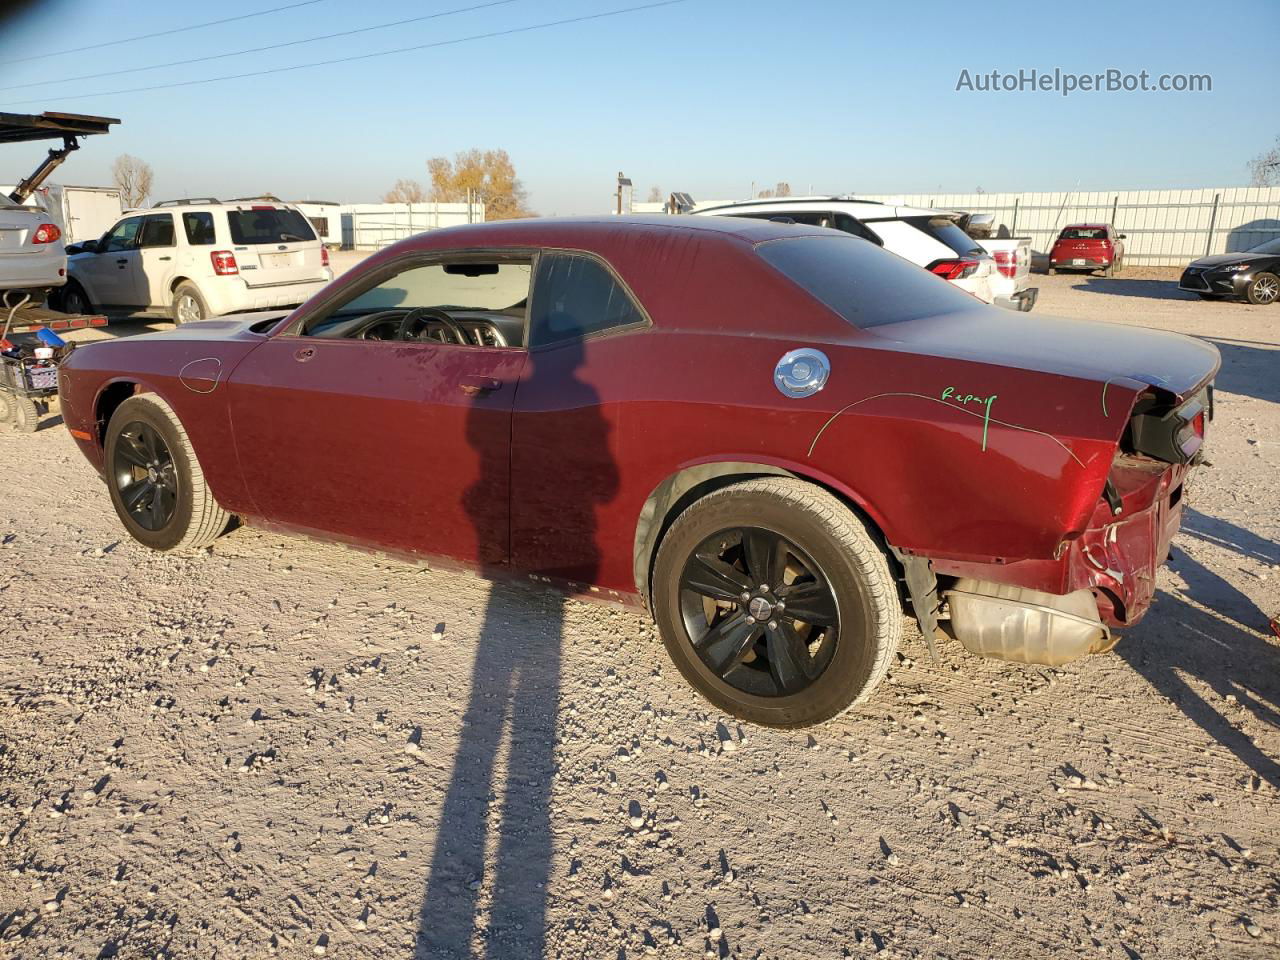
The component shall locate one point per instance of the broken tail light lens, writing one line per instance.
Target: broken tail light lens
(1174, 436)
(1006, 262)
(224, 263)
(46, 233)
(954, 269)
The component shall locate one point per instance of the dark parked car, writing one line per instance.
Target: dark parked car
(1088, 246)
(1253, 275)
(775, 435)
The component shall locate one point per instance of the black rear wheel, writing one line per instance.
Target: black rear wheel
(1264, 289)
(775, 602)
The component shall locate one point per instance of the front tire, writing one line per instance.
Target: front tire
(73, 300)
(188, 305)
(775, 602)
(155, 481)
(1264, 289)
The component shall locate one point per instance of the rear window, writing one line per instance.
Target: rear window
(269, 226)
(865, 285)
(944, 230)
(1084, 233)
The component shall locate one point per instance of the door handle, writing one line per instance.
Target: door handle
(474, 386)
(305, 354)
(164, 258)
(122, 263)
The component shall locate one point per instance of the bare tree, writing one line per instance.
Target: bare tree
(1264, 169)
(782, 189)
(405, 191)
(486, 175)
(133, 178)
(655, 195)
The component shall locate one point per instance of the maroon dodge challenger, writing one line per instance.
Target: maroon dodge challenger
(779, 438)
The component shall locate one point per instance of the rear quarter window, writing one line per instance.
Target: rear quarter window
(944, 230)
(864, 284)
(268, 226)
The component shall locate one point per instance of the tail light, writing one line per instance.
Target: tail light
(954, 269)
(324, 255)
(1007, 262)
(46, 233)
(224, 263)
(1172, 435)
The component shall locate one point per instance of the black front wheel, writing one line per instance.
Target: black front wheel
(1263, 289)
(155, 481)
(775, 602)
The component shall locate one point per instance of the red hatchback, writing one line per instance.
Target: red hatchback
(781, 437)
(1088, 246)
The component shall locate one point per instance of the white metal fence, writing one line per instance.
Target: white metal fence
(1163, 228)
(372, 226)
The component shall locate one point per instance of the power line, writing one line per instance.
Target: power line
(368, 56)
(164, 33)
(188, 61)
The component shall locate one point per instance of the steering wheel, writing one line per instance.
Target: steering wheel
(499, 338)
(418, 314)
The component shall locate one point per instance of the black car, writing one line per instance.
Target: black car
(1252, 275)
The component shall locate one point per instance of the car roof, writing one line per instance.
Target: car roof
(862, 209)
(1086, 226)
(592, 231)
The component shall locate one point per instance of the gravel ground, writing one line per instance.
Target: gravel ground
(284, 747)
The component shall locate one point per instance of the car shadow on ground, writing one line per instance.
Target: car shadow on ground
(514, 700)
(1220, 640)
(1250, 368)
(1120, 287)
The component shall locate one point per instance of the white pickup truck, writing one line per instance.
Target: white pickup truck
(1011, 281)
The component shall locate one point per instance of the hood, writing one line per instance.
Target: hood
(231, 326)
(1074, 348)
(1221, 259)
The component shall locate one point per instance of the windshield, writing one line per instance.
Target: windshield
(1271, 246)
(1084, 233)
(269, 226)
(864, 284)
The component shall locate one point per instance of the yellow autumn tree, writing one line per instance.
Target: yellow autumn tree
(488, 174)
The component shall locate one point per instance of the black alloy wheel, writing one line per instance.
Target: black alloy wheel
(760, 613)
(144, 473)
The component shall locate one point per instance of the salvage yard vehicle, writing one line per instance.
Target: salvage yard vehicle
(930, 238)
(1090, 247)
(32, 257)
(1011, 282)
(192, 259)
(1253, 275)
(776, 436)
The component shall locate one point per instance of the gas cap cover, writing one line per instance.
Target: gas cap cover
(802, 372)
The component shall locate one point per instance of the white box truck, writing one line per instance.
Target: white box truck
(82, 213)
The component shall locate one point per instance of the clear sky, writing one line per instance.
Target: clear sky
(705, 96)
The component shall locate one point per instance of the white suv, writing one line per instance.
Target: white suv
(31, 254)
(191, 259)
(929, 238)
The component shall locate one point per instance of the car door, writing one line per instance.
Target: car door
(109, 271)
(343, 427)
(152, 269)
(566, 430)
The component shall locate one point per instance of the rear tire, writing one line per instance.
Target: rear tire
(1053, 271)
(840, 580)
(7, 408)
(149, 460)
(1264, 289)
(188, 305)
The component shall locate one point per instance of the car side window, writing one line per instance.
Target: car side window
(198, 228)
(575, 296)
(123, 236)
(856, 227)
(157, 231)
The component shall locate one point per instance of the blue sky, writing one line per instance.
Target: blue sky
(704, 96)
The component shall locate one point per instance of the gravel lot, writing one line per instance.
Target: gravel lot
(286, 747)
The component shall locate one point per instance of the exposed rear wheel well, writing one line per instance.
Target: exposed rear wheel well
(176, 282)
(674, 495)
(108, 401)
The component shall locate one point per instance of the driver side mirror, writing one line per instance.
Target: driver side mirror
(1121, 236)
(85, 246)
